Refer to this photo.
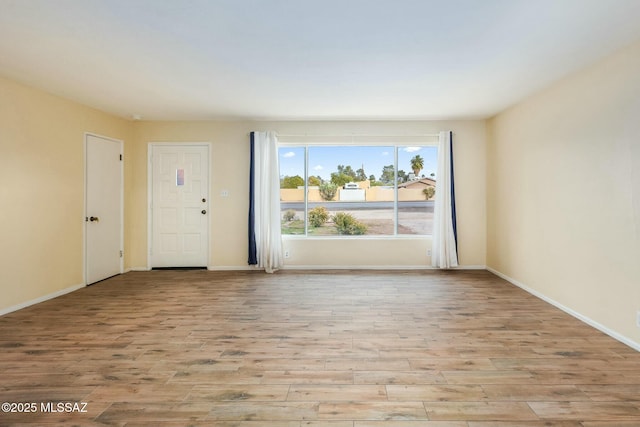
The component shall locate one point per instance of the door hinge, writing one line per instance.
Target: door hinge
(120, 157)
(121, 254)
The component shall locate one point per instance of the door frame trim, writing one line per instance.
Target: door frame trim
(85, 213)
(150, 147)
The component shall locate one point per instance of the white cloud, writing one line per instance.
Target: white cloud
(412, 149)
(385, 153)
(289, 154)
(318, 168)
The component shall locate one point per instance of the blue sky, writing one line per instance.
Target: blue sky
(323, 160)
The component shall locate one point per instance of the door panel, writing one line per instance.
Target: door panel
(179, 217)
(103, 208)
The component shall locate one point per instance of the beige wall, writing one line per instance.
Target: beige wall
(230, 154)
(564, 202)
(372, 194)
(42, 190)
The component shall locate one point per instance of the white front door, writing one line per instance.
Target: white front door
(179, 205)
(103, 208)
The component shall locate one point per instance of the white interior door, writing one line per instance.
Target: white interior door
(179, 205)
(103, 208)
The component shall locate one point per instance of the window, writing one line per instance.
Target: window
(356, 190)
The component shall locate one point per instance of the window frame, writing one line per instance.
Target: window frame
(396, 146)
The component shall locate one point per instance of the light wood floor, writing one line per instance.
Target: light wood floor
(332, 348)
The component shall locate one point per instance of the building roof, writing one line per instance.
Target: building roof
(418, 183)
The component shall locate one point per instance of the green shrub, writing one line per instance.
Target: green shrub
(328, 190)
(429, 192)
(289, 215)
(318, 216)
(348, 224)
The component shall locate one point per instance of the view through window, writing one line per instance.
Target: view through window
(349, 190)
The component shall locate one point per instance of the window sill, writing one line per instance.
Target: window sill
(378, 237)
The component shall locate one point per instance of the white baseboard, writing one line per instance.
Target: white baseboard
(38, 300)
(137, 269)
(377, 267)
(355, 267)
(232, 268)
(325, 267)
(210, 268)
(581, 317)
(338, 267)
(470, 267)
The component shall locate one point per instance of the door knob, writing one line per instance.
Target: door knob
(94, 219)
(203, 212)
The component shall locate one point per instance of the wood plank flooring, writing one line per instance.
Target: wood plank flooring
(311, 349)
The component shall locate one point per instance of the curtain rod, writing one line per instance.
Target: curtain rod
(357, 135)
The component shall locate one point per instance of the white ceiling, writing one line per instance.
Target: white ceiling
(306, 59)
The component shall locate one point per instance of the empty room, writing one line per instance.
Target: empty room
(356, 213)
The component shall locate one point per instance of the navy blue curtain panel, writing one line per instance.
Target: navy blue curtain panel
(453, 194)
(253, 250)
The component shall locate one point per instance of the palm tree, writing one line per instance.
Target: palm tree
(417, 163)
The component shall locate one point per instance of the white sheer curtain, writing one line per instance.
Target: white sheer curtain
(265, 239)
(444, 251)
